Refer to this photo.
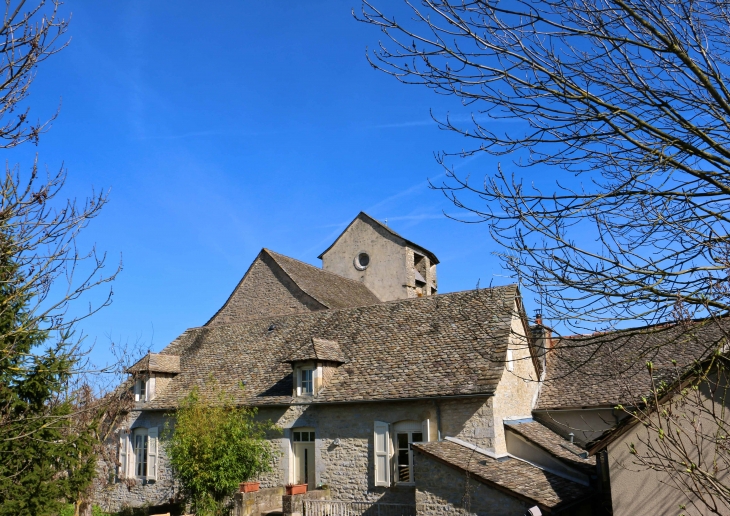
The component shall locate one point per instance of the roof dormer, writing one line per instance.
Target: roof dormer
(313, 365)
(151, 375)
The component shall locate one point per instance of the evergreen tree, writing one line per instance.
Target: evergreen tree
(44, 459)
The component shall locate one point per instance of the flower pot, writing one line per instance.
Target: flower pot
(249, 487)
(296, 489)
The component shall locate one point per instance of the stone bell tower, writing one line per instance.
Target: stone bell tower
(389, 265)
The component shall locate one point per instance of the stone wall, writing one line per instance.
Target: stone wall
(114, 494)
(446, 490)
(257, 502)
(347, 468)
(264, 291)
(386, 275)
(517, 390)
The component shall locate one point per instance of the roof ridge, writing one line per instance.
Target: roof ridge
(288, 273)
(334, 310)
(411, 243)
(318, 269)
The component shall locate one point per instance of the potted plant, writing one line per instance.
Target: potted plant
(249, 487)
(295, 489)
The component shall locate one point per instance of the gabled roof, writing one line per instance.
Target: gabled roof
(326, 289)
(608, 369)
(332, 290)
(554, 444)
(512, 475)
(447, 345)
(717, 363)
(319, 349)
(156, 363)
(367, 218)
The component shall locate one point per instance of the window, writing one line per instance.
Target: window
(140, 389)
(398, 439)
(303, 437)
(138, 453)
(362, 260)
(406, 433)
(307, 385)
(510, 361)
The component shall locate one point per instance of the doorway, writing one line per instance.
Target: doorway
(303, 448)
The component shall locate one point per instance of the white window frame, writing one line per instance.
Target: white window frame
(385, 449)
(140, 447)
(301, 383)
(409, 428)
(141, 389)
(129, 450)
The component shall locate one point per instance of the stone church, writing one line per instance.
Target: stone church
(388, 392)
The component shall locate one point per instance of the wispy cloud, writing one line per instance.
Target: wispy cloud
(461, 118)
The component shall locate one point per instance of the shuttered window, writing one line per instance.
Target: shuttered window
(381, 447)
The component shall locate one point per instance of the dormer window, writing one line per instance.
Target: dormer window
(140, 389)
(152, 373)
(306, 382)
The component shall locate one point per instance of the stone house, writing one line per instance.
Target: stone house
(386, 392)
(589, 377)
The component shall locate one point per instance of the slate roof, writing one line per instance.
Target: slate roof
(332, 290)
(553, 444)
(364, 216)
(156, 363)
(607, 369)
(446, 345)
(319, 349)
(512, 475)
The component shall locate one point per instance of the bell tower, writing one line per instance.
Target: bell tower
(391, 266)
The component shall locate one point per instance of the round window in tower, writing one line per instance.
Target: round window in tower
(362, 260)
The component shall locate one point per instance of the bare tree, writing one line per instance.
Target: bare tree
(632, 98)
(30, 33)
(54, 409)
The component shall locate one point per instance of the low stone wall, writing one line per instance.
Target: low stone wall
(253, 504)
(293, 505)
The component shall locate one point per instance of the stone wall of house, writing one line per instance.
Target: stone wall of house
(445, 490)
(517, 389)
(470, 419)
(114, 494)
(264, 291)
(386, 274)
(347, 468)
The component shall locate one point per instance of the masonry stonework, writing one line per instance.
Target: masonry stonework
(117, 494)
(443, 490)
(517, 389)
(264, 291)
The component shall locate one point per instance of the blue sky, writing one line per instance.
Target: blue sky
(227, 128)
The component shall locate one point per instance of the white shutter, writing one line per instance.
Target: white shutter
(136, 390)
(123, 462)
(425, 430)
(151, 388)
(381, 448)
(152, 454)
